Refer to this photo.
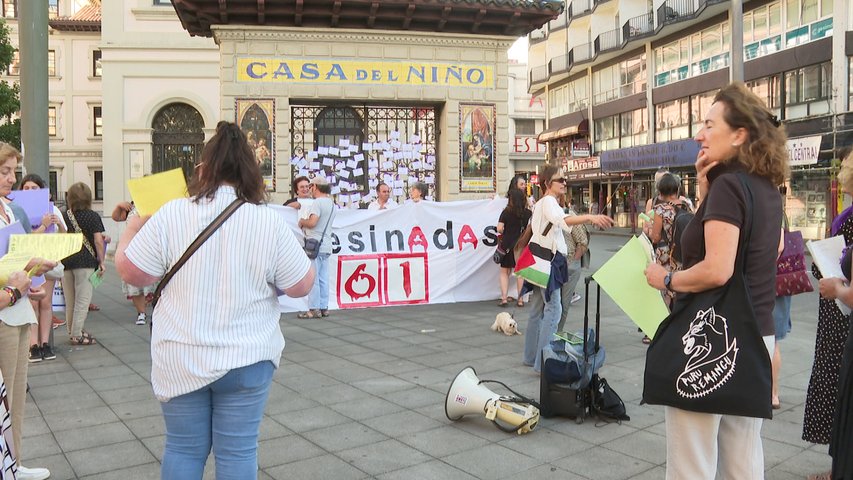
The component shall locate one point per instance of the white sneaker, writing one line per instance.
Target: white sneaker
(576, 298)
(140, 319)
(25, 473)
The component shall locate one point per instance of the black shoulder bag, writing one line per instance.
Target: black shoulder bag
(708, 355)
(202, 237)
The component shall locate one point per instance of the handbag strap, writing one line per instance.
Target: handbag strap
(750, 217)
(86, 243)
(202, 237)
(328, 221)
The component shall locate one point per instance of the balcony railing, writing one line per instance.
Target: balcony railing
(560, 64)
(578, 8)
(610, 40)
(582, 53)
(537, 75)
(559, 22)
(639, 27)
(537, 36)
(674, 11)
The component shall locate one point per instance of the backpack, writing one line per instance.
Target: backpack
(606, 402)
(683, 216)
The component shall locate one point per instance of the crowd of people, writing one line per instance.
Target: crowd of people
(214, 264)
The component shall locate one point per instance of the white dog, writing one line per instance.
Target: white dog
(505, 324)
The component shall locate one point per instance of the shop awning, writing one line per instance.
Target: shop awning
(556, 133)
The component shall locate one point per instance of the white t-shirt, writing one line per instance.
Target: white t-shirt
(374, 205)
(324, 208)
(220, 310)
(548, 210)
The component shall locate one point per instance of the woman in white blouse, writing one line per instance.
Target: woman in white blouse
(546, 224)
(216, 337)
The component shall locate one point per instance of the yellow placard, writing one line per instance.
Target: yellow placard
(301, 70)
(13, 262)
(53, 247)
(152, 192)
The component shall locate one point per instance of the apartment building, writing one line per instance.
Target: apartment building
(75, 125)
(631, 81)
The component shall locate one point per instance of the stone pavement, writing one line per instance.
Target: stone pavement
(361, 395)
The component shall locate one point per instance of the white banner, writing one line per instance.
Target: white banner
(417, 253)
(803, 151)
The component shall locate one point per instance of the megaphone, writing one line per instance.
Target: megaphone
(467, 395)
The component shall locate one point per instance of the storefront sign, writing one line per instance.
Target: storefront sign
(803, 151)
(477, 148)
(580, 148)
(296, 70)
(578, 164)
(430, 252)
(678, 153)
(527, 144)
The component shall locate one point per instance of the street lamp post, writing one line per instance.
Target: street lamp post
(736, 18)
(32, 31)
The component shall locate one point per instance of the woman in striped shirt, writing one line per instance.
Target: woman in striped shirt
(216, 337)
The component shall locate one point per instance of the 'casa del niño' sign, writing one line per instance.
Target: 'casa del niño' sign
(301, 70)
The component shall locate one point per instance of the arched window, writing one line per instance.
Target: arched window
(336, 123)
(178, 138)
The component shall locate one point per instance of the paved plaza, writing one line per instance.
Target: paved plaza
(361, 395)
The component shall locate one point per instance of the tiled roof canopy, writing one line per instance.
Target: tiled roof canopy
(87, 19)
(481, 17)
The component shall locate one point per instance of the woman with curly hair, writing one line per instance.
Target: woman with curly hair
(740, 140)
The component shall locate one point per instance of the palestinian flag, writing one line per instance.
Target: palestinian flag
(534, 264)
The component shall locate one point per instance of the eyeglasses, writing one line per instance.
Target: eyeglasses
(561, 180)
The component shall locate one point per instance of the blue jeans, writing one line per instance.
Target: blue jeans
(319, 296)
(541, 325)
(225, 414)
(568, 290)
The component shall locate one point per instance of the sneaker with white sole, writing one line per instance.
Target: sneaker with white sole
(35, 354)
(47, 352)
(576, 298)
(25, 473)
(140, 319)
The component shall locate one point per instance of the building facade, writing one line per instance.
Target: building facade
(633, 81)
(526, 119)
(75, 127)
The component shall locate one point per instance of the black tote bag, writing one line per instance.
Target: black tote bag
(708, 355)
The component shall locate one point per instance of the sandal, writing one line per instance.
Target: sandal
(324, 313)
(310, 314)
(83, 340)
(502, 303)
(519, 303)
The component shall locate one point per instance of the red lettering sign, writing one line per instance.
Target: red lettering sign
(382, 279)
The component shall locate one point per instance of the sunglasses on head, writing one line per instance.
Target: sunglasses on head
(561, 180)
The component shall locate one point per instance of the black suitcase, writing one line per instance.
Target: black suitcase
(556, 399)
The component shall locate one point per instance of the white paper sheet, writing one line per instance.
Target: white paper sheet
(826, 254)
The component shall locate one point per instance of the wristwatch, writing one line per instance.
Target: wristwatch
(667, 282)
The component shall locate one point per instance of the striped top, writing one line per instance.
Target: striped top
(220, 310)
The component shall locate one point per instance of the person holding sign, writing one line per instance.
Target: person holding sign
(216, 338)
(84, 267)
(40, 349)
(16, 316)
(733, 241)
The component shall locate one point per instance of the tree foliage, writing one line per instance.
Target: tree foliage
(10, 103)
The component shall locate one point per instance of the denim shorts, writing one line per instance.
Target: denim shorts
(782, 317)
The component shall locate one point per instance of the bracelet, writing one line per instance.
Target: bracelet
(14, 294)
